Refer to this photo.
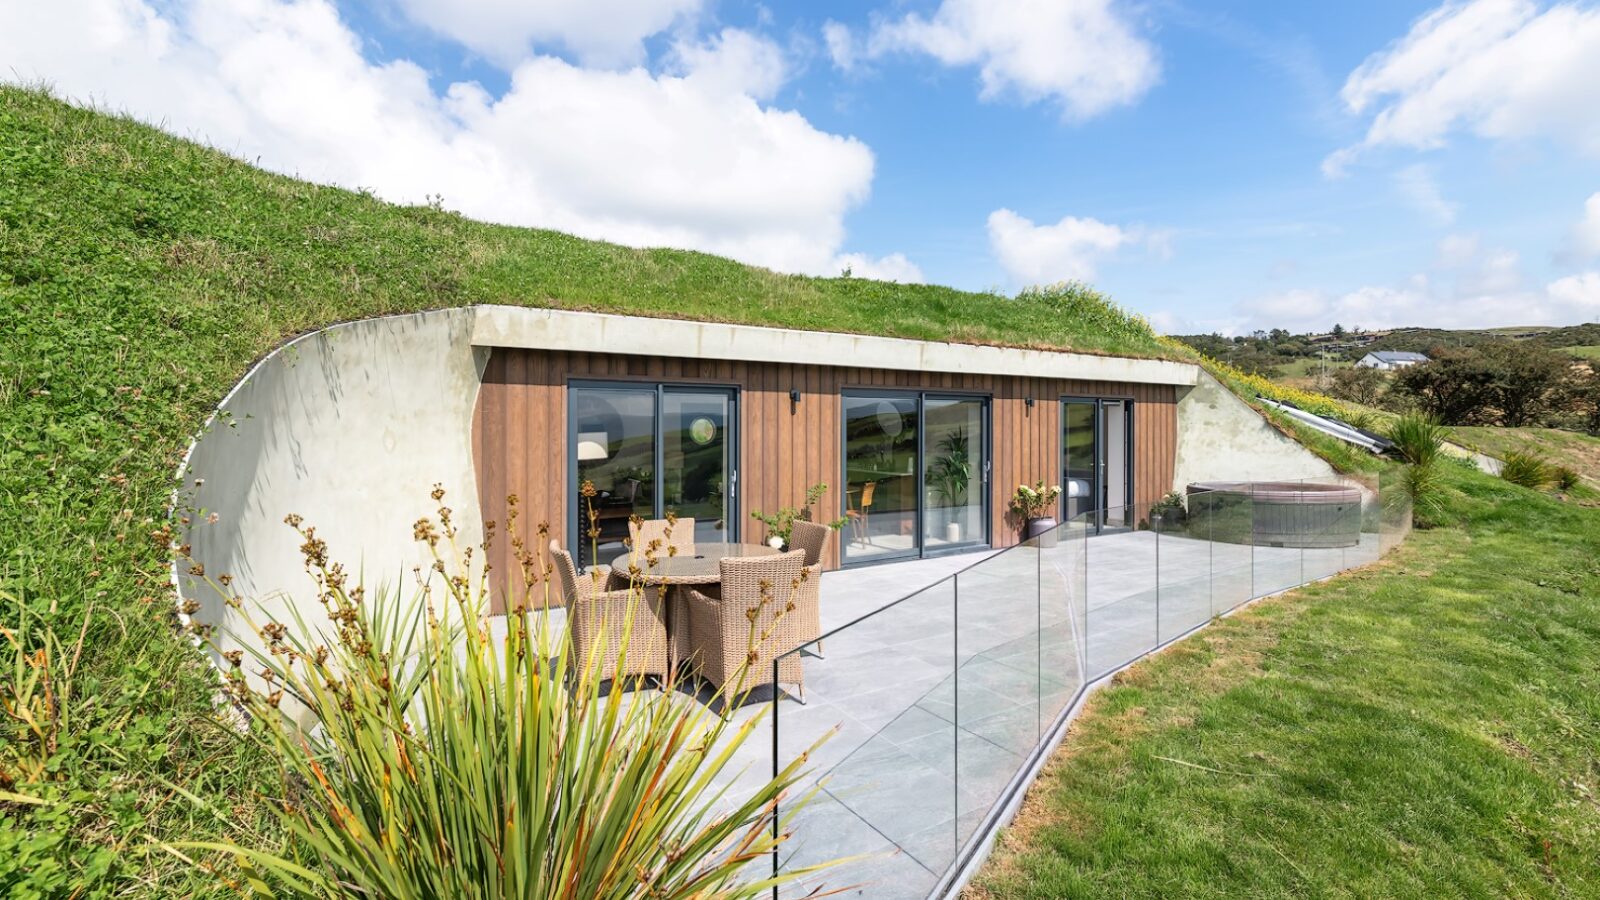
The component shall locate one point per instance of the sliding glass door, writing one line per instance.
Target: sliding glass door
(1096, 474)
(953, 473)
(649, 450)
(915, 474)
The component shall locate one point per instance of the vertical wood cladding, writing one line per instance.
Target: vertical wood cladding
(519, 434)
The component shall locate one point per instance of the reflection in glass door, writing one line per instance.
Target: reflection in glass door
(1096, 467)
(880, 474)
(954, 472)
(1079, 442)
(649, 450)
(916, 474)
(696, 456)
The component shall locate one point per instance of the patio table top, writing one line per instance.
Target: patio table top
(700, 567)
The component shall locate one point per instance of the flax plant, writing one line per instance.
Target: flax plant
(442, 761)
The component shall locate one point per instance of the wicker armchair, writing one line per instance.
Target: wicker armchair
(596, 618)
(724, 630)
(682, 535)
(810, 538)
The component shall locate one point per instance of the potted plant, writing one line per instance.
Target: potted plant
(1033, 504)
(1168, 513)
(781, 523)
(949, 475)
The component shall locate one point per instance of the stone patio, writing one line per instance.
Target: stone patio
(940, 687)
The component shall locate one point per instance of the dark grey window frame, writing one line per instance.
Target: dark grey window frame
(732, 391)
(1099, 447)
(921, 397)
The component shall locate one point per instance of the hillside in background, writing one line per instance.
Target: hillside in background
(1292, 358)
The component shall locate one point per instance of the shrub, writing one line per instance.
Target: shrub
(1358, 384)
(1418, 439)
(1565, 477)
(1527, 468)
(441, 761)
(1420, 442)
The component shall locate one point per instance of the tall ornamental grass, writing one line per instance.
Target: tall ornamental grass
(441, 761)
(1527, 468)
(1420, 442)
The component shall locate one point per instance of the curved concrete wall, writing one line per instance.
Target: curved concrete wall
(348, 427)
(1223, 438)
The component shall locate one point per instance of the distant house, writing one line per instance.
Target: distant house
(1389, 360)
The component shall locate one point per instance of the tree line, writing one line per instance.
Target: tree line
(1507, 383)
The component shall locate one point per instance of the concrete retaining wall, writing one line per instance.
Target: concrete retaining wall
(348, 427)
(1222, 438)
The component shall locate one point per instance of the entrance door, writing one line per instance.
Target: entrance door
(649, 450)
(916, 472)
(1096, 475)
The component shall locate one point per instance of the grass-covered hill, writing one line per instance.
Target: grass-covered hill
(140, 276)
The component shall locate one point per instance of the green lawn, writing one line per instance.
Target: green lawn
(1426, 727)
(1581, 452)
(1587, 352)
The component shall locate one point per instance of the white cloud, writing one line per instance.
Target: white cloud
(629, 156)
(1580, 293)
(894, 267)
(1070, 249)
(1500, 69)
(598, 32)
(1585, 240)
(841, 45)
(734, 62)
(1086, 55)
(1469, 286)
(1420, 189)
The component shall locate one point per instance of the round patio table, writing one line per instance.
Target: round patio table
(700, 567)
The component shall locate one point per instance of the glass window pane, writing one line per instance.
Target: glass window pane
(1078, 443)
(953, 473)
(614, 432)
(880, 435)
(694, 460)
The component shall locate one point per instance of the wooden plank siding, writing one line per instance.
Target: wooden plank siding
(519, 434)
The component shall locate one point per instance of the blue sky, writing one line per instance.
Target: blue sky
(1215, 166)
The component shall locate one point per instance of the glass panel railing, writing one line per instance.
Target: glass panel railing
(1183, 559)
(1063, 596)
(998, 683)
(1275, 523)
(942, 699)
(1394, 511)
(1331, 521)
(1368, 548)
(1225, 519)
(1123, 591)
(889, 778)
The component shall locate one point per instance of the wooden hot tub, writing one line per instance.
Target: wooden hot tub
(1276, 513)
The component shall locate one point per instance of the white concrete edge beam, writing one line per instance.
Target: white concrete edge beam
(582, 332)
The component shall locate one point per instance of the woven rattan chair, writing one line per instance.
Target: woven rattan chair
(724, 630)
(597, 618)
(682, 535)
(810, 538)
